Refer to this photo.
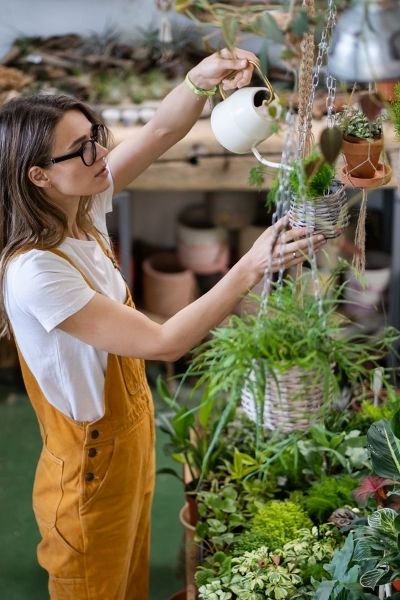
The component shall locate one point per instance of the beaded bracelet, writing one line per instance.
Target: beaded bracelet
(199, 91)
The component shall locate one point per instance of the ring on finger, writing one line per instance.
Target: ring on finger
(294, 254)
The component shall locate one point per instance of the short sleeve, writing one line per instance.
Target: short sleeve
(46, 287)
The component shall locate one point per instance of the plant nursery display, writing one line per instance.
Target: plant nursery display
(290, 438)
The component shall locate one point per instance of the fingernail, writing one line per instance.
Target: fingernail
(243, 62)
(320, 238)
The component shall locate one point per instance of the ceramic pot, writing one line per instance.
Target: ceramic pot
(202, 247)
(362, 156)
(167, 285)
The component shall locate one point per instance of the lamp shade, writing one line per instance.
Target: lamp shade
(366, 42)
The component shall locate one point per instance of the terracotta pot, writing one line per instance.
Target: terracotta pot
(362, 156)
(192, 553)
(179, 595)
(192, 512)
(386, 89)
(167, 285)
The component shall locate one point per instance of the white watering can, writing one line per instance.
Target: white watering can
(246, 118)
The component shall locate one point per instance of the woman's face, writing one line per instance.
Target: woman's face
(72, 177)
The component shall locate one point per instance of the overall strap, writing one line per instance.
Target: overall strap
(71, 262)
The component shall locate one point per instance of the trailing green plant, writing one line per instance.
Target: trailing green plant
(310, 177)
(324, 496)
(354, 122)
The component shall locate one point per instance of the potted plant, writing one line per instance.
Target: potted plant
(287, 361)
(362, 142)
(317, 199)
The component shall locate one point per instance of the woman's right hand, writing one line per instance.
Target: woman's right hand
(278, 248)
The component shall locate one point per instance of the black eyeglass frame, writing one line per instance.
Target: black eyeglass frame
(95, 138)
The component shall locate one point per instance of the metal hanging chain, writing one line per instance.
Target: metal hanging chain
(282, 204)
(330, 80)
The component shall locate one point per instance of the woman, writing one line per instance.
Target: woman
(81, 344)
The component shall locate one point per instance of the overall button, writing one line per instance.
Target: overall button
(92, 452)
(89, 476)
(94, 434)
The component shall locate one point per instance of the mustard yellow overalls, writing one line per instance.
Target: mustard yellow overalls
(93, 487)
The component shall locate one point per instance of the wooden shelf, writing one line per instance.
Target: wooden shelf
(216, 168)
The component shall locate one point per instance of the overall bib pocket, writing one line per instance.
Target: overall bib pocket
(47, 488)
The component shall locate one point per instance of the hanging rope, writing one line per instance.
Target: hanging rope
(306, 85)
(359, 238)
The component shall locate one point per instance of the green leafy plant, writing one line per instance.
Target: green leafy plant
(310, 178)
(279, 521)
(302, 557)
(254, 575)
(324, 496)
(394, 110)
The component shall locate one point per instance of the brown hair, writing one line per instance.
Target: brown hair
(28, 219)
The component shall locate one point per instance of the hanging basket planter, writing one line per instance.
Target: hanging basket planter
(292, 399)
(327, 214)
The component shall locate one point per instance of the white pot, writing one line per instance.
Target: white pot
(202, 247)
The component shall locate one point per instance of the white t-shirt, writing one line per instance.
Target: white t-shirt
(42, 290)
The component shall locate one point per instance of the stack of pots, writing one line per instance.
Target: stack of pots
(202, 247)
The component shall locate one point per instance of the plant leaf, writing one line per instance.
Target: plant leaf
(371, 578)
(330, 143)
(371, 105)
(300, 24)
(266, 25)
(229, 30)
(385, 450)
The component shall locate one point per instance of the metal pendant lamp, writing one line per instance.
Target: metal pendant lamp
(366, 42)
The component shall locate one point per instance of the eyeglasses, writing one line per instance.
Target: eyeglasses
(87, 150)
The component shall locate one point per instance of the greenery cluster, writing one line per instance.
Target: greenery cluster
(353, 122)
(310, 178)
(279, 521)
(267, 574)
(395, 110)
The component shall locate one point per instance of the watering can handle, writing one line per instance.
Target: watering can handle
(263, 77)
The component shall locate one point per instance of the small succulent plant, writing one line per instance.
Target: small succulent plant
(352, 121)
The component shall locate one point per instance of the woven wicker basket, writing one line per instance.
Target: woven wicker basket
(326, 214)
(292, 399)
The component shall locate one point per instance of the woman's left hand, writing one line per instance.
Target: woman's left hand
(220, 66)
